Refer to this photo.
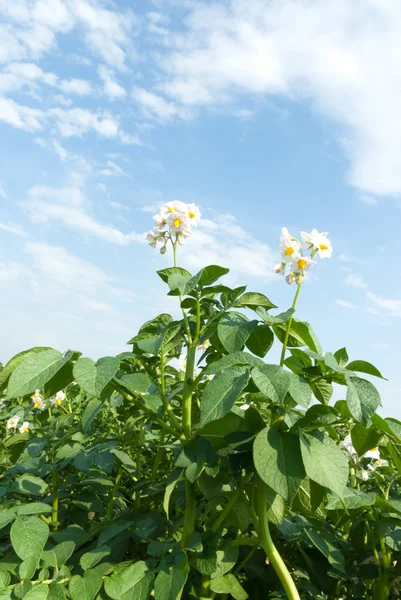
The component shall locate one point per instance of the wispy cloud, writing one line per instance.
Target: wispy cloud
(14, 228)
(345, 304)
(391, 306)
(356, 281)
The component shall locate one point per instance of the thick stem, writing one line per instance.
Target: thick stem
(287, 333)
(167, 406)
(187, 392)
(190, 513)
(55, 499)
(158, 456)
(268, 545)
(139, 469)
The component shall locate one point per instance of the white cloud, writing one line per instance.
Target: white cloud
(368, 200)
(156, 106)
(14, 228)
(2, 192)
(111, 88)
(355, 281)
(118, 206)
(345, 258)
(113, 169)
(342, 58)
(19, 116)
(75, 86)
(345, 304)
(66, 206)
(77, 121)
(392, 306)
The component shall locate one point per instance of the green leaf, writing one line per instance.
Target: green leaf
(138, 383)
(301, 334)
(28, 537)
(341, 357)
(125, 460)
(261, 340)
(34, 372)
(168, 584)
(392, 505)
(130, 583)
(231, 360)
(325, 463)
(361, 366)
(29, 485)
(277, 460)
(276, 507)
(273, 381)
(164, 274)
(209, 275)
(221, 393)
(228, 584)
(233, 330)
(92, 377)
(175, 477)
(28, 567)
(254, 299)
(56, 592)
(323, 390)
(362, 398)
(300, 390)
(395, 455)
(90, 412)
(364, 438)
(39, 592)
(352, 500)
(86, 587)
(16, 360)
(325, 545)
(92, 558)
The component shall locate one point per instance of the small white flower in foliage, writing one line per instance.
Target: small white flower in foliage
(347, 445)
(12, 422)
(174, 223)
(377, 463)
(203, 347)
(288, 245)
(60, 397)
(317, 242)
(37, 401)
(364, 475)
(24, 427)
(182, 363)
(373, 453)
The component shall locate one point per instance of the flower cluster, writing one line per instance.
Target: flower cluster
(40, 404)
(13, 422)
(173, 223)
(294, 253)
(373, 454)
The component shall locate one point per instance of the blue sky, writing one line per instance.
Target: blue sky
(282, 114)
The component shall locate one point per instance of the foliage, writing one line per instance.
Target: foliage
(144, 481)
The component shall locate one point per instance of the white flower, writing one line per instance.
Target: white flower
(153, 237)
(288, 245)
(160, 221)
(202, 347)
(12, 422)
(364, 475)
(24, 427)
(290, 279)
(373, 453)
(347, 446)
(244, 406)
(280, 268)
(301, 264)
(60, 396)
(194, 214)
(316, 241)
(2, 404)
(174, 206)
(376, 464)
(181, 239)
(38, 401)
(179, 222)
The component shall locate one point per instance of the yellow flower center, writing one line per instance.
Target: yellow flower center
(323, 247)
(191, 214)
(290, 250)
(171, 209)
(302, 263)
(26, 429)
(177, 222)
(58, 401)
(36, 405)
(373, 450)
(377, 462)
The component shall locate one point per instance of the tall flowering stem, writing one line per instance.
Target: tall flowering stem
(287, 331)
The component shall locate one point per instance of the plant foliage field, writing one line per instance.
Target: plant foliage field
(191, 466)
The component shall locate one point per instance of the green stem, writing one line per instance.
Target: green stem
(158, 456)
(204, 590)
(287, 333)
(139, 468)
(112, 494)
(167, 406)
(246, 559)
(218, 522)
(268, 545)
(190, 513)
(55, 499)
(187, 392)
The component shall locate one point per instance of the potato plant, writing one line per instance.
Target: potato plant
(192, 467)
